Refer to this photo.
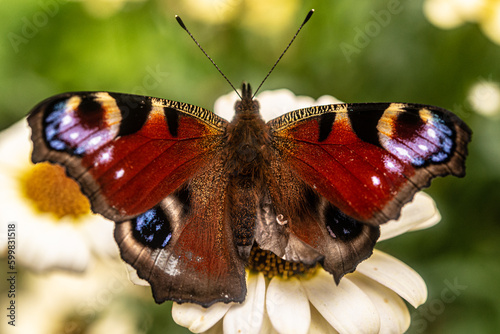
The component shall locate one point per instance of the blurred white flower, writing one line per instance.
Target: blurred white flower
(484, 97)
(62, 302)
(448, 14)
(104, 9)
(370, 300)
(54, 225)
(270, 17)
(212, 11)
(261, 16)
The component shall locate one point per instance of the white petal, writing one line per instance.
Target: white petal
(418, 214)
(101, 243)
(196, 318)
(327, 99)
(346, 307)
(278, 102)
(319, 325)
(15, 147)
(267, 326)
(248, 316)
(42, 242)
(44, 245)
(395, 275)
(272, 103)
(216, 329)
(393, 313)
(288, 306)
(134, 278)
(430, 222)
(224, 105)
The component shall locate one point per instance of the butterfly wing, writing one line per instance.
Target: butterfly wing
(369, 159)
(145, 163)
(127, 152)
(184, 246)
(299, 225)
(359, 163)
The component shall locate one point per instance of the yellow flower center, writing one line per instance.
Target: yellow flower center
(50, 190)
(271, 265)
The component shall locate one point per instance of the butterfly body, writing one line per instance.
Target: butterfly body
(192, 193)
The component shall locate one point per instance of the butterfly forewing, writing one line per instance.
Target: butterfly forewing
(369, 159)
(127, 152)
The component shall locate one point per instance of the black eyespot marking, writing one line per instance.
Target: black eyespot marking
(341, 226)
(152, 228)
(67, 127)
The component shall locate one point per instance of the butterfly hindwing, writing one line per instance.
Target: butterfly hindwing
(369, 159)
(184, 247)
(300, 225)
(127, 152)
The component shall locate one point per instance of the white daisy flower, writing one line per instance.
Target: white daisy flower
(370, 300)
(448, 14)
(54, 225)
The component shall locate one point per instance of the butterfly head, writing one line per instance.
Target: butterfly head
(247, 105)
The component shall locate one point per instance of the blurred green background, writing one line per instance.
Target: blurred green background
(349, 50)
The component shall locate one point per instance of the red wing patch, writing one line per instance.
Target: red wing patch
(184, 247)
(127, 152)
(369, 159)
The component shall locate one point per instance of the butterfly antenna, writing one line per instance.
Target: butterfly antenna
(283, 53)
(183, 26)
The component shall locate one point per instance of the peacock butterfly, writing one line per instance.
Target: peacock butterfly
(192, 193)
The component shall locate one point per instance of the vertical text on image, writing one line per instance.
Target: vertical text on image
(11, 273)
